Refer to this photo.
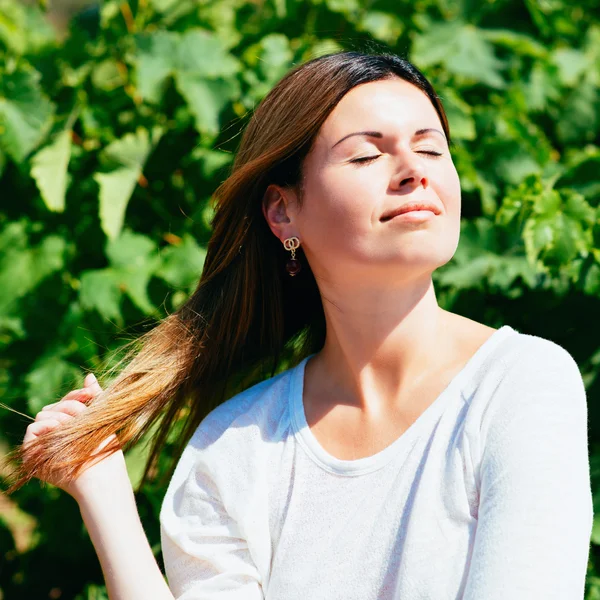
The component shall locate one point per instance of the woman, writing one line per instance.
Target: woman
(409, 452)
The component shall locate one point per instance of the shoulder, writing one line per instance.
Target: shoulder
(531, 399)
(525, 357)
(523, 376)
(533, 379)
(229, 444)
(517, 356)
(252, 416)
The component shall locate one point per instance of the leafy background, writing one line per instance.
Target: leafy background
(115, 131)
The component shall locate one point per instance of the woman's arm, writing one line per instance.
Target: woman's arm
(111, 517)
(107, 504)
(205, 549)
(535, 511)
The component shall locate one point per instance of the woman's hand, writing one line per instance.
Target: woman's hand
(104, 471)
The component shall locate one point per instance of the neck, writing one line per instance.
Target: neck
(378, 344)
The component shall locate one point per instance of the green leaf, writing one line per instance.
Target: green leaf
(49, 380)
(132, 149)
(194, 56)
(516, 165)
(211, 161)
(542, 86)
(129, 155)
(580, 119)
(459, 113)
(474, 58)
(133, 260)
(206, 99)
(508, 269)
(182, 264)
(538, 235)
(571, 64)
(22, 267)
(163, 5)
(578, 209)
(156, 60)
(596, 530)
(24, 28)
(519, 43)
(383, 26)
(99, 290)
(106, 75)
(433, 45)
(322, 47)
(201, 53)
(350, 8)
(130, 250)
(462, 49)
(116, 189)
(465, 276)
(269, 59)
(50, 171)
(25, 113)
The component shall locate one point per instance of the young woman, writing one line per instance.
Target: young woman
(407, 453)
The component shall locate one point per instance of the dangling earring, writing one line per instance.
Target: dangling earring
(293, 266)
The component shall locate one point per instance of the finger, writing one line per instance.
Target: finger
(78, 395)
(47, 415)
(81, 395)
(71, 407)
(90, 382)
(39, 427)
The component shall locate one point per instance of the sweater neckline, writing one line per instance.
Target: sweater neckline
(360, 466)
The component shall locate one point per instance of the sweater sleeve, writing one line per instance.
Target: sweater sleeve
(205, 554)
(535, 504)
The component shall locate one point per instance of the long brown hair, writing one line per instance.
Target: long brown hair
(246, 314)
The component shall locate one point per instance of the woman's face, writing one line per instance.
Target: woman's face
(339, 226)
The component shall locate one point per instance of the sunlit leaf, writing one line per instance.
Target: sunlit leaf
(201, 53)
(462, 49)
(384, 26)
(128, 154)
(107, 76)
(156, 61)
(49, 169)
(25, 113)
(24, 28)
(206, 99)
(571, 64)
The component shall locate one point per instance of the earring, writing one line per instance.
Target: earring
(293, 266)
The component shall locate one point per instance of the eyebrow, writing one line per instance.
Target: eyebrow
(378, 134)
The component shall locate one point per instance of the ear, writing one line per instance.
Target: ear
(278, 208)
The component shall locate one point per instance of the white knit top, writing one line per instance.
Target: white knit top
(486, 496)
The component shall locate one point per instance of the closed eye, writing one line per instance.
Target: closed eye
(366, 159)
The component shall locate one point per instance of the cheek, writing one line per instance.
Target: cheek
(446, 185)
(336, 219)
(343, 202)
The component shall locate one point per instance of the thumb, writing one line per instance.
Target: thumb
(91, 382)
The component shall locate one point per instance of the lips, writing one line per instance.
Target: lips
(410, 206)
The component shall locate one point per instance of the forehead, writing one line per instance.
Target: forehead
(392, 102)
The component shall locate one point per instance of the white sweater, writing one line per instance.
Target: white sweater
(486, 496)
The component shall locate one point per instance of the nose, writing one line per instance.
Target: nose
(411, 174)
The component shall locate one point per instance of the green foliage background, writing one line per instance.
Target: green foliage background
(113, 139)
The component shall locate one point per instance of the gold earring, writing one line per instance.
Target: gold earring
(293, 265)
